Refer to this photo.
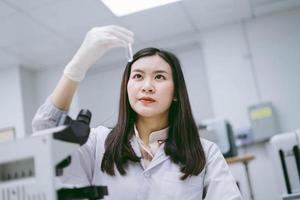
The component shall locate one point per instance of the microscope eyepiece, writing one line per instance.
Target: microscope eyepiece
(84, 116)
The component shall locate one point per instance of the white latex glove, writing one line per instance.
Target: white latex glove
(97, 41)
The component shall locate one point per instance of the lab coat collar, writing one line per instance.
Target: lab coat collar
(160, 135)
(158, 158)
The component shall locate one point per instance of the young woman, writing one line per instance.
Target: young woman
(154, 152)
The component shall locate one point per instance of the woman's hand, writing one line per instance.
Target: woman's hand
(97, 42)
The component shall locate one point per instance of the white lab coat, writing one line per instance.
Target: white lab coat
(160, 181)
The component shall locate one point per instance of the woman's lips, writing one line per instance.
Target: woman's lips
(147, 100)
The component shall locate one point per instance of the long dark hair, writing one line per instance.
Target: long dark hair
(183, 143)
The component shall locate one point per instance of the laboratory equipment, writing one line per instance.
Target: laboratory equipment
(220, 132)
(286, 157)
(244, 136)
(263, 121)
(30, 167)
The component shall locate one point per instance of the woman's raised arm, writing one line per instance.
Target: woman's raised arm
(97, 42)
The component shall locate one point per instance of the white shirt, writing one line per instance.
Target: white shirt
(159, 181)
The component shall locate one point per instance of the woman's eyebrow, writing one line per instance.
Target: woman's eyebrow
(160, 71)
(155, 72)
(138, 70)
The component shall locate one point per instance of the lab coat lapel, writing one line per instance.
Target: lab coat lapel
(135, 146)
(159, 157)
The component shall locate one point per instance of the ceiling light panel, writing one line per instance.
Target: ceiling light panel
(125, 7)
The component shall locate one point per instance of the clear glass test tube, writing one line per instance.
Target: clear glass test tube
(128, 50)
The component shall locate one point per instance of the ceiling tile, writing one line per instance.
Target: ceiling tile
(5, 10)
(77, 34)
(30, 4)
(210, 13)
(52, 52)
(158, 23)
(274, 6)
(17, 29)
(262, 2)
(74, 18)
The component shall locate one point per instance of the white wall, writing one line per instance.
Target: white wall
(45, 82)
(11, 105)
(275, 45)
(24, 91)
(267, 70)
(275, 48)
(196, 81)
(229, 74)
(28, 91)
(99, 93)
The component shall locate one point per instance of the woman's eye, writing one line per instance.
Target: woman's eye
(160, 77)
(137, 76)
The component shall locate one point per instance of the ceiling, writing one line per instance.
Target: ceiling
(46, 33)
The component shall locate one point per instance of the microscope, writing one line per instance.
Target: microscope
(30, 167)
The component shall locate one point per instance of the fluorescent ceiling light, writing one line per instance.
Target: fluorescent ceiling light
(125, 7)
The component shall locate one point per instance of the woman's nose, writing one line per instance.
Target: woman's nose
(148, 87)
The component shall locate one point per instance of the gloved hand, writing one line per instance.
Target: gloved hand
(97, 41)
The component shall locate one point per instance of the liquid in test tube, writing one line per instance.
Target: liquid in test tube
(129, 53)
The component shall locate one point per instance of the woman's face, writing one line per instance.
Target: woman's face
(150, 87)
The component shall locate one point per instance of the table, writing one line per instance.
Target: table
(245, 159)
(291, 196)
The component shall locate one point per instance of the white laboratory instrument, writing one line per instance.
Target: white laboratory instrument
(30, 167)
(286, 155)
(220, 132)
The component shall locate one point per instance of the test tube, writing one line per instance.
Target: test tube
(129, 52)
